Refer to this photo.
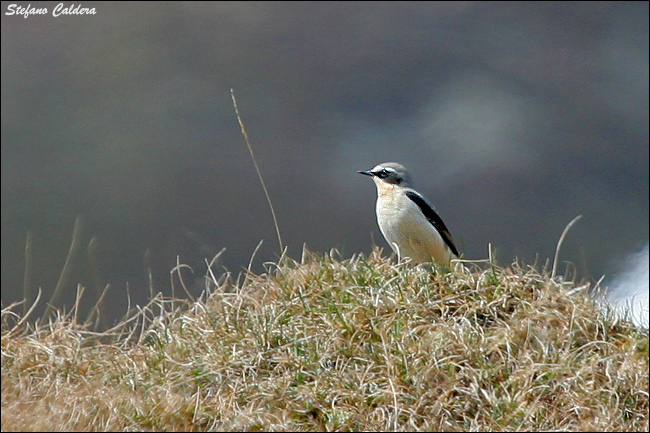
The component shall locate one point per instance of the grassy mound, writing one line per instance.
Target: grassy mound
(327, 344)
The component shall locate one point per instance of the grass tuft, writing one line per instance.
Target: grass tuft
(332, 344)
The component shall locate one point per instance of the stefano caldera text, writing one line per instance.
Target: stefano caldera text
(58, 10)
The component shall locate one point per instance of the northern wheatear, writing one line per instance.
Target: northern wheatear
(408, 221)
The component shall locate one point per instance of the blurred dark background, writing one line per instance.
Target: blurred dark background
(513, 118)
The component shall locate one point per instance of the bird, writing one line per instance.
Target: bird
(408, 221)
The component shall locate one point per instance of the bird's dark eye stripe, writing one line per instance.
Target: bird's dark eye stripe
(383, 173)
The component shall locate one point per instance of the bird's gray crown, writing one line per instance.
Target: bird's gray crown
(390, 172)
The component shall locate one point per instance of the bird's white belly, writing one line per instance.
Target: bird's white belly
(410, 234)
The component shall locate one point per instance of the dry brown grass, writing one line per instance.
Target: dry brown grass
(334, 345)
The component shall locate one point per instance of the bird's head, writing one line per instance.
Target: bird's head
(391, 173)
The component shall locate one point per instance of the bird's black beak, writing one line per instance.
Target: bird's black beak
(366, 172)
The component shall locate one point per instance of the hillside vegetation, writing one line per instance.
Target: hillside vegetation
(332, 344)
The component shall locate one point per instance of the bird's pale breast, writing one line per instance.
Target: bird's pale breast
(407, 231)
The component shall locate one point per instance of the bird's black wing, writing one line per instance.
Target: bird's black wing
(433, 217)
